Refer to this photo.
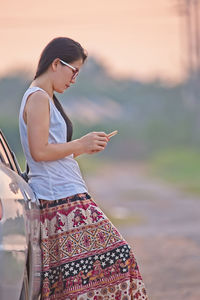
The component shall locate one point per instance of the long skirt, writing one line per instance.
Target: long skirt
(84, 256)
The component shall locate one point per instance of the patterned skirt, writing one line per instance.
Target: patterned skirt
(84, 257)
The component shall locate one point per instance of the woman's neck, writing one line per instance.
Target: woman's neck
(44, 84)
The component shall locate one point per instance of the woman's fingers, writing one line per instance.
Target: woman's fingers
(98, 148)
(101, 143)
(101, 138)
(102, 135)
(94, 141)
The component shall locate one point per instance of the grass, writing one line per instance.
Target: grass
(90, 164)
(125, 221)
(181, 167)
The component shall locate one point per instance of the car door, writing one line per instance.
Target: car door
(19, 226)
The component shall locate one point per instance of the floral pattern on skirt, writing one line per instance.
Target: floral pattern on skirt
(84, 257)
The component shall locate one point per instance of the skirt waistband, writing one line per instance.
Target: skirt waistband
(52, 203)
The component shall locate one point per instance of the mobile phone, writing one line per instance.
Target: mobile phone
(112, 133)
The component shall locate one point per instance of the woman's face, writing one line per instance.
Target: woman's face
(63, 75)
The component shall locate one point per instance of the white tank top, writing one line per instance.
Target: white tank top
(56, 179)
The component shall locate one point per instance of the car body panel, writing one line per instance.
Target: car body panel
(19, 232)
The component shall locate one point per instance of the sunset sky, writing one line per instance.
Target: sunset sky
(136, 38)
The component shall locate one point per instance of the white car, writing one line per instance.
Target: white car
(20, 253)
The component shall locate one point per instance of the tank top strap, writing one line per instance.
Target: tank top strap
(28, 92)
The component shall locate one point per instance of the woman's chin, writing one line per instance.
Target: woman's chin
(60, 90)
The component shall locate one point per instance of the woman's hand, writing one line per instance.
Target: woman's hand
(93, 142)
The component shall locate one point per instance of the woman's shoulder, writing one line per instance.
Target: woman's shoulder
(36, 100)
(37, 96)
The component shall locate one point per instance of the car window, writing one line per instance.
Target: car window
(3, 156)
(6, 155)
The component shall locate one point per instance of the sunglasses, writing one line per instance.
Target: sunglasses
(75, 70)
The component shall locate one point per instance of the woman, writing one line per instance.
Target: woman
(83, 254)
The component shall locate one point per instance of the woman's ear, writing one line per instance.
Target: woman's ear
(55, 64)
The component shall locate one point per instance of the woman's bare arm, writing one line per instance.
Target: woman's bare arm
(37, 119)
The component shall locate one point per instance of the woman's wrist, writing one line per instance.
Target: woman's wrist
(78, 147)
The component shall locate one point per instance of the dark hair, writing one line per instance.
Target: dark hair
(69, 51)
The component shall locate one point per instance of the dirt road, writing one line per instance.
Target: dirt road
(161, 224)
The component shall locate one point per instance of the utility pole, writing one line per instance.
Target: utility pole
(189, 10)
(192, 24)
(196, 9)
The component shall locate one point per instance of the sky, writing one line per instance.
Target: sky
(140, 39)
